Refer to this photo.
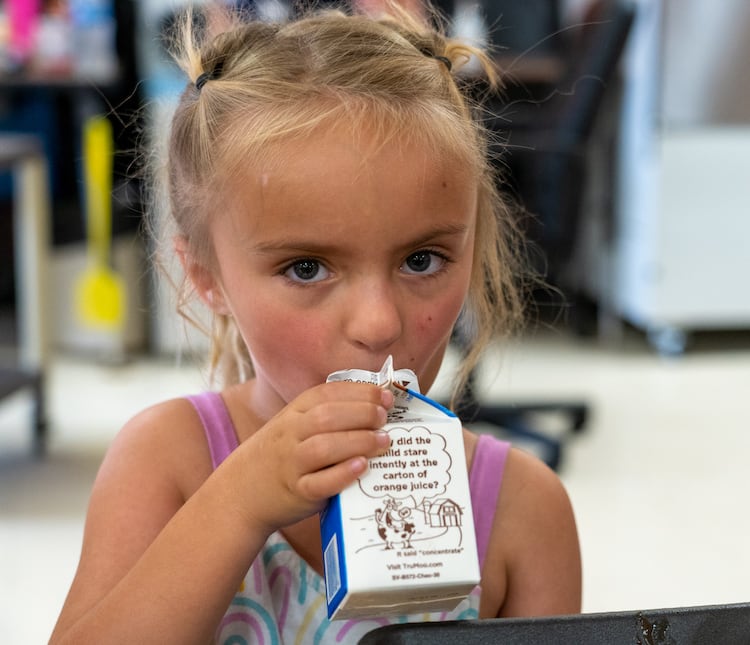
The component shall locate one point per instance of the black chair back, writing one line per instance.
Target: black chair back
(546, 143)
(599, 44)
(715, 624)
(517, 27)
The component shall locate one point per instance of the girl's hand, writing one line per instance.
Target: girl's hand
(311, 450)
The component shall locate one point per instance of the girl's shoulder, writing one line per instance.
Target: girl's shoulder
(534, 540)
(163, 422)
(165, 441)
(525, 477)
(532, 500)
(528, 480)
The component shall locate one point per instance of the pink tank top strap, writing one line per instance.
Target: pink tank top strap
(485, 480)
(217, 424)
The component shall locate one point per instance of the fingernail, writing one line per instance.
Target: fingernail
(383, 439)
(358, 465)
(386, 397)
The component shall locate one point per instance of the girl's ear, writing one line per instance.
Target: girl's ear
(202, 278)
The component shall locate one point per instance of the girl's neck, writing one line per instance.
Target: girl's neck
(262, 400)
(249, 408)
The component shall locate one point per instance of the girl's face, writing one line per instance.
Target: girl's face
(341, 254)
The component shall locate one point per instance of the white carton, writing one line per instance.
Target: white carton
(401, 539)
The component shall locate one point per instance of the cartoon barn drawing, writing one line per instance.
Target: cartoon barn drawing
(442, 512)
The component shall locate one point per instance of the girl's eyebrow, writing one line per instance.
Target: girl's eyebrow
(318, 247)
(289, 246)
(447, 230)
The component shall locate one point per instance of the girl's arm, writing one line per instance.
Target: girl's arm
(534, 543)
(155, 568)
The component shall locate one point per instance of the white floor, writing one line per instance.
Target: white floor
(659, 477)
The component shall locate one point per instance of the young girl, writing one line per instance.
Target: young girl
(333, 205)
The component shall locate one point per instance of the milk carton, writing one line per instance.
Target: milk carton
(401, 540)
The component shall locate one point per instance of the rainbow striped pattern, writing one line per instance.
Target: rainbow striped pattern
(282, 602)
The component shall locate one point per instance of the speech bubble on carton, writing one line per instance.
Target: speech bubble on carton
(417, 465)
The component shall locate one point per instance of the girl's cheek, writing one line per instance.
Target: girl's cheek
(299, 330)
(436, 322)
(444, 314)
(425, 324)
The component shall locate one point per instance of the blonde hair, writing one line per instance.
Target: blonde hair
(256, 82)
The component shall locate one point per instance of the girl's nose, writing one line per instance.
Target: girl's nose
(374, 318)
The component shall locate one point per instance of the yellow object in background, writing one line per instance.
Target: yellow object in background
(100, 291)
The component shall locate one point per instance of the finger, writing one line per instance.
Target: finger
(331, 481)
(339, 416)
(324, 450)
(343, 391)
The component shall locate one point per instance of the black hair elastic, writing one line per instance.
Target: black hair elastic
(209, 76)
(201, 80)
(445, 61)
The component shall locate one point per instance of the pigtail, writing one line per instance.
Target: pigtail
(189, 42)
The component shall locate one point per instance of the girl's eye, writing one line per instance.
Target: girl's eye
(424, 263)
(306, 270)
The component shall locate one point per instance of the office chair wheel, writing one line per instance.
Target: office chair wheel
(668, 340)
(579, 417)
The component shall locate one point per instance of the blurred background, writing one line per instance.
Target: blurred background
(624, 128)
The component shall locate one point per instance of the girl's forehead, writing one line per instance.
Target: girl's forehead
(361, 144)
(361, 150)
(345, 183)
(341, 158)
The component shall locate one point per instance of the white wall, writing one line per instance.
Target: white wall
(706, 63)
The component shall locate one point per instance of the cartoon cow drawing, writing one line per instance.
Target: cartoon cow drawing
(393, 527)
